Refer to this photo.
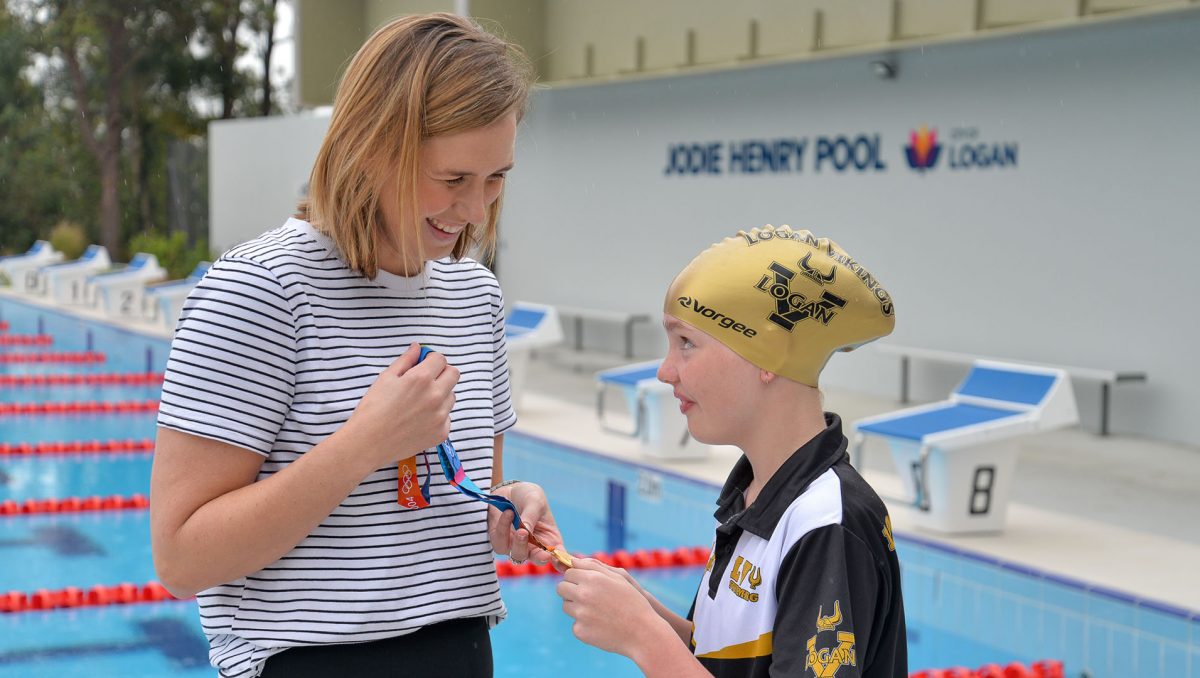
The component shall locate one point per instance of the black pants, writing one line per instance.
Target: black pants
(460, 647)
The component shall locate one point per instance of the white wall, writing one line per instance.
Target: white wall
(258, 168)
(1082, 254)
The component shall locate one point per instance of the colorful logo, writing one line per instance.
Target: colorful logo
(923, 149)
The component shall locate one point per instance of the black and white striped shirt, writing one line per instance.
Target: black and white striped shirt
(272, 353)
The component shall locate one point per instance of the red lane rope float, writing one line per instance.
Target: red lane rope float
(683, 556)
(76, 447)
(116, 502)
(54, 357)
(72, 597)
(80, 407)
(153, 592)
(96, 379)
(1047, 668)
(26, 340)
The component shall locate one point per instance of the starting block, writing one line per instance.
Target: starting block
(22, 269)
(529, 326)
(164, 301)
(956, 457)
(121, 292)
(657, 422)
(66, 283)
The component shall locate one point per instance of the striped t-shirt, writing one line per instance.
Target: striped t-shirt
(273, 350)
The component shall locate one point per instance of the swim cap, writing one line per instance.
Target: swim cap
(784, 300)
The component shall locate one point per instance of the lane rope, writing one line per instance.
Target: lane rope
(75, 447)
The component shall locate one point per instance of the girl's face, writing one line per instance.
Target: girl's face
(459, 176)
(717, 388)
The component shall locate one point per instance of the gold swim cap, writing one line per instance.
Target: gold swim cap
(784, 300)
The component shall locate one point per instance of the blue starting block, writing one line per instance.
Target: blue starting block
(67, 282)
(163, 301)
(956, 457)
(659, 426)
(22, 269)
(122, 292)
(528, 326)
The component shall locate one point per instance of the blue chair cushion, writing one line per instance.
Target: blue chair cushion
(630, 377)
(1007, 385)
(526, 318)
(947, 418)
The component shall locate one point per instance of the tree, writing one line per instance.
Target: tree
(100, 42)
(45, 176)
(224, 29)
(268, 30)
(117, 88)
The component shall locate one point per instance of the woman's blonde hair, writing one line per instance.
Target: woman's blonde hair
(417, 77)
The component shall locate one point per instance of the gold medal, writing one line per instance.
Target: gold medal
(559, 554)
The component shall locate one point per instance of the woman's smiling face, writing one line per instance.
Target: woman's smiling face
(459, 177)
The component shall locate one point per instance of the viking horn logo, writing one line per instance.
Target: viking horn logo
(815, 275)
(831, 622)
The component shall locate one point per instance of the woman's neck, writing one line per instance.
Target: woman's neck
(389, 259)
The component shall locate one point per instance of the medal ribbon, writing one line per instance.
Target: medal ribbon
(416, 496)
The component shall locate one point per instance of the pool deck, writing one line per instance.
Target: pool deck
(1074, 513)
(153, 329)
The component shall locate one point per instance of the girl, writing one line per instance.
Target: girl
(803, 578)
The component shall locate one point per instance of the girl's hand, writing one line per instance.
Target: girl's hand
(609, 608)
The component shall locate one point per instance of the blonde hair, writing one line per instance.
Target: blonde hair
(417, 77)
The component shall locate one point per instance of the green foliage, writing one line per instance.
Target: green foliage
(68, 238)
(84, 80)
(40, 155)
(172, 251)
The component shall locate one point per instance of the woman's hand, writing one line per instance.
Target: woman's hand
(405, 411)
(531, 502)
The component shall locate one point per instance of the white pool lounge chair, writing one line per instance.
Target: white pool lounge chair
(528, 327)
(659, 426)
(956, 457)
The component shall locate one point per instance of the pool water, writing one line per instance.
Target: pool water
(69, 427)
(77, 392)
(962, 609)
(74, 475)
(148, 640)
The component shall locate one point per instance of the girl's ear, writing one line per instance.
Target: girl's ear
(766, 377)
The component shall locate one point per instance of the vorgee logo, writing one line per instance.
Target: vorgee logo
(716, 316)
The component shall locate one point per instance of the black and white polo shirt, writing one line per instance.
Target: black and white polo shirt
(804, 582)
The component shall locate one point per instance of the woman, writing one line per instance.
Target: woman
(293, 389)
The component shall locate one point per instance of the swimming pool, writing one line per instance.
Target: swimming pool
(962, 609)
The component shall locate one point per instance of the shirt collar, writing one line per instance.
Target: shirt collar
(804, 466)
